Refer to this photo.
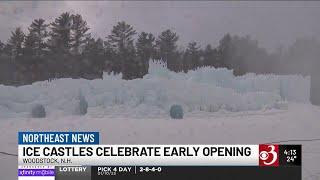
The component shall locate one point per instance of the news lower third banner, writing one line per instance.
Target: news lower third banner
(54, 154)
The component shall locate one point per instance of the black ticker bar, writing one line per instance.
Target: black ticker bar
(287, 166)
(195, 172)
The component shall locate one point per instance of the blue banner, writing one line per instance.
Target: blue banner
(58, 138)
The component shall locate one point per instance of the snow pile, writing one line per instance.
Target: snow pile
(206, 89)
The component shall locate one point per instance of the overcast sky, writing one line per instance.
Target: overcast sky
(271, 23)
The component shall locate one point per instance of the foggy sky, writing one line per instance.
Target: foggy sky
(271, 23)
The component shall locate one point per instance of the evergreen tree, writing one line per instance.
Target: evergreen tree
(121, 37)
(166, 45)
(80, 34)
(245, 55)
(37, 37)
(208, 55)
(94, 47)
(212, 58)
(61, 40)
(35, 50)
(15, 43)
(112, 63)
(306, 49)
(30, 45)
(31, 59)
(145, 50)
(192, 57)
(121, 40)
(94, 58)
(75, 54)
(14, 49)
(61, 63)
(1, 48)
(226, 50)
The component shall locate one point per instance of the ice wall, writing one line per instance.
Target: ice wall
(290, 87)
(206, 89)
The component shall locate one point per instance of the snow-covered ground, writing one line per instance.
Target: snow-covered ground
(219, 109)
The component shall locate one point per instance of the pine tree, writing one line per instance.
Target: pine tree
(61, 40)
(121, 37)
(15, 43)
(79, 34)
(192, 56)
(61, 62)
(31, 58)
(244, 55)
(30, 45)
(1, 48)
(145, 50)
(166, 44)
(226, 51)
(121, 40)
(94, 57)
(35, 49)
(37, 37)
(211, 57)
(208, 55)
(94, 47)
(112, 63)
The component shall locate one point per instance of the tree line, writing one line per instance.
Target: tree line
(64, 48)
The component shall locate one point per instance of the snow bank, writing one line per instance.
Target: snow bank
(206, 89)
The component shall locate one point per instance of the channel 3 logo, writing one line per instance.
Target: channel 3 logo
(268, 155)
